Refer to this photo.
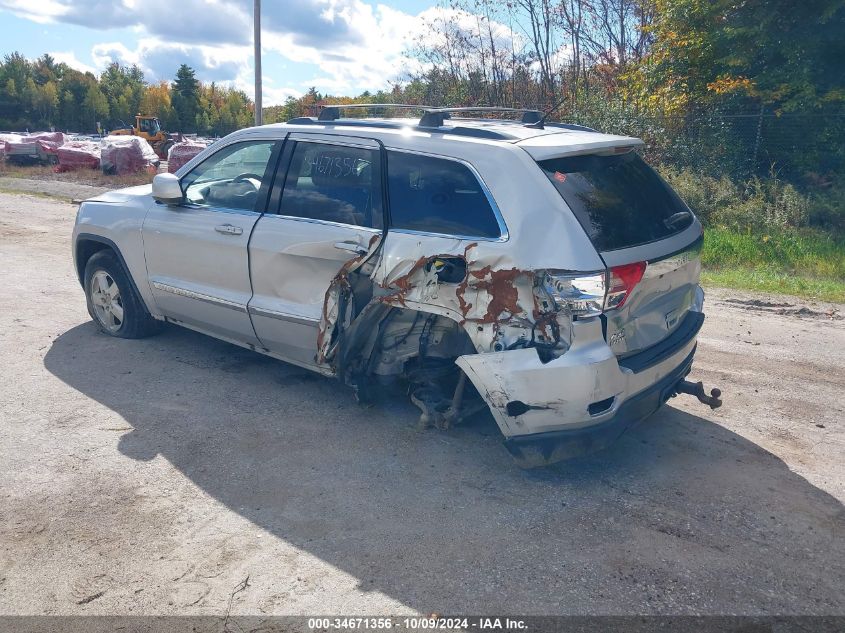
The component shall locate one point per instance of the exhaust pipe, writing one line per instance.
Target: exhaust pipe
(697, 389)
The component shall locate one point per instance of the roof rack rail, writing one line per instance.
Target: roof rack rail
(387, 124)
(332, 112)
(434, 117)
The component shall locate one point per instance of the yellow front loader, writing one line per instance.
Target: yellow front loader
(149, 128)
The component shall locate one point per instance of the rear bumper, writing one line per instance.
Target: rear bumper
(540, 449)
(583, 400)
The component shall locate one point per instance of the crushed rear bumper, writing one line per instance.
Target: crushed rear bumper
(539, 449)
(583, 400)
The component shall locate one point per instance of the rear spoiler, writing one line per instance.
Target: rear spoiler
(573, 143)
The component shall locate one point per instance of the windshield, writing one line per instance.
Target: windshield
(619, 200)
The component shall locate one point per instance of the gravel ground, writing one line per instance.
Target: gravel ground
(154, 476)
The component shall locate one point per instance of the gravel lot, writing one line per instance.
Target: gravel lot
(155, 476)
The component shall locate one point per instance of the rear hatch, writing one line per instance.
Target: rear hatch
(646, 235)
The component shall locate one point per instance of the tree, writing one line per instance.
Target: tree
(45, 69)
(777, 54)
(45, 103)
(184, 95)
(95, 107)
(69, 114)
(123, 87)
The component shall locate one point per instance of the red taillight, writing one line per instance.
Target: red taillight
(621, 282)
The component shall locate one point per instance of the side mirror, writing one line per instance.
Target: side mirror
(166, 189)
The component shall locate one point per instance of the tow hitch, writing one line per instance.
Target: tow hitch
(697, 389)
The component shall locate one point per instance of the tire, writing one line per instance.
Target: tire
(112, 301)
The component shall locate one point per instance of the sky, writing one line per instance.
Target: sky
(341, 47)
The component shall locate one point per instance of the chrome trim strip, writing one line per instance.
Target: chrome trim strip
(450, 236)
(345, 140)
(281, 316)
(190, 294)
(207, 207)
(504, 236)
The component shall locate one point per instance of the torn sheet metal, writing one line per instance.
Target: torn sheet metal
(495, 301)
(526, 395)
(333, 303)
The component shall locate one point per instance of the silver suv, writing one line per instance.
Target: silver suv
(545, 263)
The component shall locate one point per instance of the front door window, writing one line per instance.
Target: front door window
(230, 178)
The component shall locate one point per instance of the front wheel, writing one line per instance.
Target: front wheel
(112, 301)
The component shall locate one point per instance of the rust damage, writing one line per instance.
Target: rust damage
(499, 286)
(491, 295)
(486, 295)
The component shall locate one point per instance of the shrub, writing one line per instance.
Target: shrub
(757, 204)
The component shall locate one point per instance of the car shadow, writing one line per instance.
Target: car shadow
(680, 515)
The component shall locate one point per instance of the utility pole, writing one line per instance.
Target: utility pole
(256, 14)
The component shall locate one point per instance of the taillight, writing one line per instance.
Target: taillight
(590, 294)
(580, 294)
(621, 283)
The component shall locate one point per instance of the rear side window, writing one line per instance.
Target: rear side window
(619, 200)
(333, 183)
(436, 195)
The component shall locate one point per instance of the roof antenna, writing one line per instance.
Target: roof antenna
(539, 124)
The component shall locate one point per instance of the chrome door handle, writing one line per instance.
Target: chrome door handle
(229, 229)
(352, 247)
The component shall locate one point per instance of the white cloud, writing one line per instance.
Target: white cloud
(371, 55)
(42, 12)
(69, 58)
(277, 96)
(352, 45)
(160, 60)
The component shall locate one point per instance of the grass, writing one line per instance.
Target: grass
(803, 263)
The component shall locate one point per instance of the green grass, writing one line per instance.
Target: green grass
(806, 264)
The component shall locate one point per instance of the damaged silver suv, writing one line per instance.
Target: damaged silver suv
(541, 270)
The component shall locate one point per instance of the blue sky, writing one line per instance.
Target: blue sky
(338, 46)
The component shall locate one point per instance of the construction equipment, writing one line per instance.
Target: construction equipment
(149, 128)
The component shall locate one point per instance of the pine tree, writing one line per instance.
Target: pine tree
(184, 95)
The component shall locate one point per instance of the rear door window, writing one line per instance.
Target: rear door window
(333, 183)
(436, 195)
(619, 200)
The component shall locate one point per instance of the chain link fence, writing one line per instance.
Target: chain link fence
(806, 149)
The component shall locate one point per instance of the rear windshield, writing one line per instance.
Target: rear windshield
(619, 200)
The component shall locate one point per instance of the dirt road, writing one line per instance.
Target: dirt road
(154, 476)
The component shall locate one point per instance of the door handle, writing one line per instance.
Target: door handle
(352, 247)
(228, 229)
